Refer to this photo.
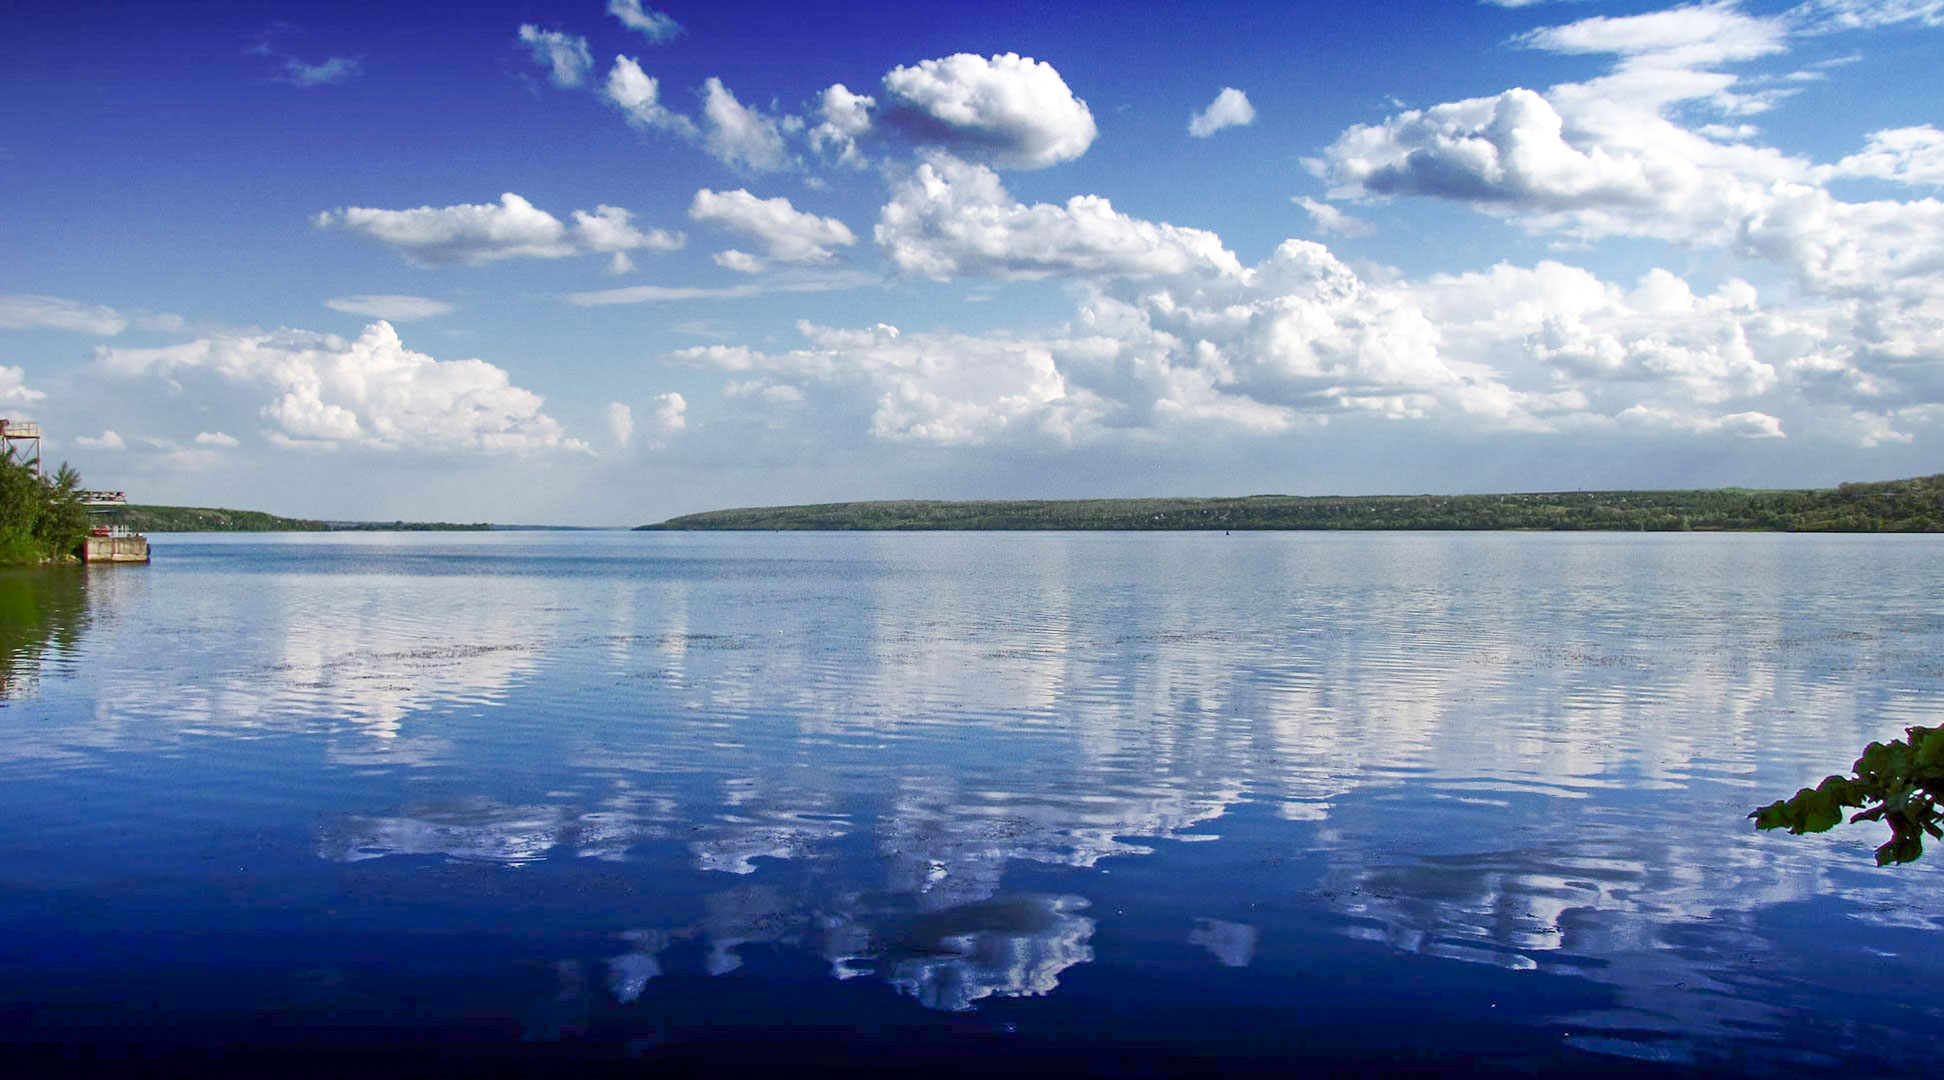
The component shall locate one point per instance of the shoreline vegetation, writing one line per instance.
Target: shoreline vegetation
(41, 517)
(1912, 505)
(147, 519)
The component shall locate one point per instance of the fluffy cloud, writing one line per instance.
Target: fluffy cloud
(54, 313)
(785, 233)
(564, 55)
(1515, 154)
(1230, 108)
(1299, 337)
(1607, 158)
(843, 118)
(1302, 339)
(107, 440)
(14, 389)
(646, 21)
(1911, 155)
(742, 262)
(475, 234)
(944, 389)
(620, 421)
(371, 392)
(216, 438)
(1307, 335)
(391, 307)
(738, 135)
(949, 217)
(667, 418)
(774, 394)
(638, 95)
(1747, 425)
(1331, 219)
(1006, 110)
(611, 230)
(1658, 337)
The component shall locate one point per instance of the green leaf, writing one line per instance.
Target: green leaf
(1899, 783)
(1901, 848)
(1927, 745)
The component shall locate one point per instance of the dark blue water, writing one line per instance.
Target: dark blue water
(1080, 801)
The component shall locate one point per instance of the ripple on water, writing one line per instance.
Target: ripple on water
(981, 770)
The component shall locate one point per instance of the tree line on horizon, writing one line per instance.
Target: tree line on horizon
(146, 518)
(1913, 505)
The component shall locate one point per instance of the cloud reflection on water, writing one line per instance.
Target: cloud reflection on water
(1528, 752)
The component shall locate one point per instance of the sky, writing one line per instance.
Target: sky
(605, 262)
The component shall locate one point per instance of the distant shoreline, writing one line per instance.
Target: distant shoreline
(197, 519)
(1913, 505)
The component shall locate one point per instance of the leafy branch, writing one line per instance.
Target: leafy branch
(1899, 783)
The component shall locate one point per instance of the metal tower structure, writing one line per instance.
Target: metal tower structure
(13, 431)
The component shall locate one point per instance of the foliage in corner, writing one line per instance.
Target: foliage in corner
(1900, 784)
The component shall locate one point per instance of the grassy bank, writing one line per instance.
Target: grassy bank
(1914, 505)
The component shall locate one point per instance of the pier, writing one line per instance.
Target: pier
(111, 543)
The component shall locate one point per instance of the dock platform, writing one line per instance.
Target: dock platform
(126, 548)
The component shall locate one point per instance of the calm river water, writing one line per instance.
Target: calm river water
(1109, 800)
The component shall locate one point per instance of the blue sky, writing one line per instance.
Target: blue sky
(570, 264)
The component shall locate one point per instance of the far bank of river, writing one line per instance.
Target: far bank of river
(1914, 505)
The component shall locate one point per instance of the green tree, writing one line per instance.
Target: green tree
(41, 519)
(1898, 783)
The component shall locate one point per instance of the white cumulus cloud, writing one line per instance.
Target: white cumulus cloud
(774, 394)
(1006, 110)
(1301, 339)
(1230, 108)
(742, 262)
(370, 392)
(1612, 157)
(1910, 155)
(738, 135)
(842, 118)
(565, 56)
(107, 440)
(944, 389)
(216, 438)
(1331, 219)
(1174, 339)
(638, 95)
(1747, 425)
(785, 233)
(667, 418)
(950, 217)
(475, 234)
(611, 230)
(14, 389)
(620, 421)
(649, 23)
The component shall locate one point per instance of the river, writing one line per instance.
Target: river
(1428, 800)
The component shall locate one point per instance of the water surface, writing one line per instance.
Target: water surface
(1112, 799)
